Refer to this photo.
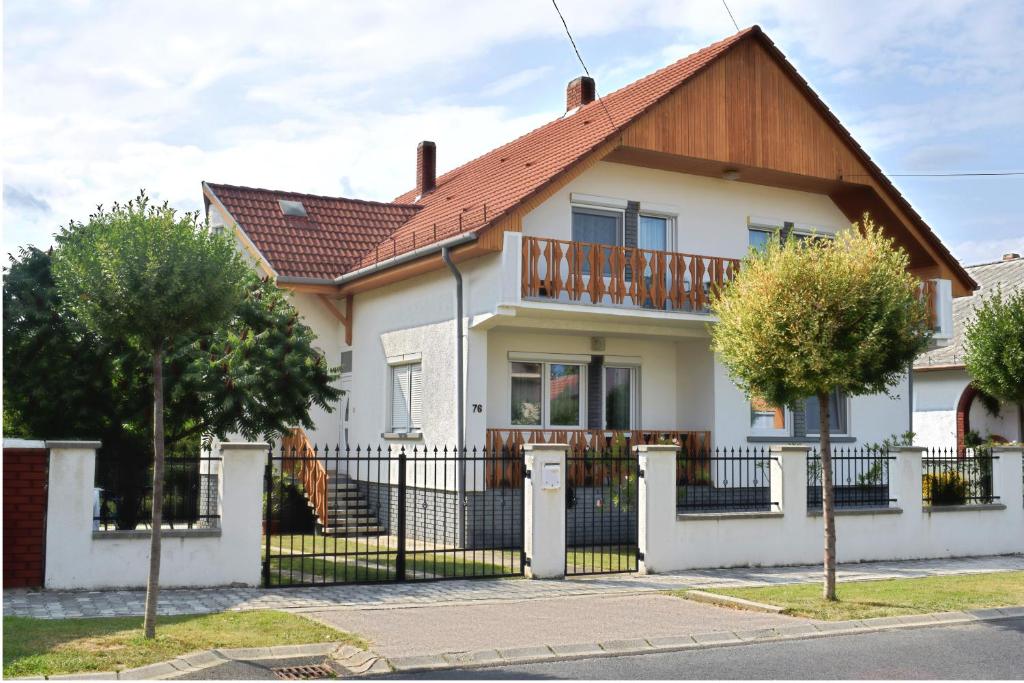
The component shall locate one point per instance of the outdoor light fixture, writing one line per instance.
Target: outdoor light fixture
(731, 174)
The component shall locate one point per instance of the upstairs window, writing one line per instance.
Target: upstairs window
(406, 397)
(596, 226)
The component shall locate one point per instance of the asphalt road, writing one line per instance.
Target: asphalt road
(991, 650)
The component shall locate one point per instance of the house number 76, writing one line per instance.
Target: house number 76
(478, 407)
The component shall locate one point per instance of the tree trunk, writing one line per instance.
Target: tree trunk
(827, 498)
(153, 583)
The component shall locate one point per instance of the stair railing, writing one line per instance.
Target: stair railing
(301, 460)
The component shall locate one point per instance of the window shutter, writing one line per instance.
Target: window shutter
(400, 397)
(595, 396)
(415, 395)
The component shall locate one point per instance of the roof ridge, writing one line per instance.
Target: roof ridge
(311, 195)
(995, 263)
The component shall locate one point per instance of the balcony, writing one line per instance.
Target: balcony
(600, 274)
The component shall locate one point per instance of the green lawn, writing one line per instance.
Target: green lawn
(610, 558)
(378, 564)
(866, 599)
(43, 647)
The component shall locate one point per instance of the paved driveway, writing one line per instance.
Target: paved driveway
(407, 631)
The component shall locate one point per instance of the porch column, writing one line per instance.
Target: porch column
(657, 505)
(544, 510)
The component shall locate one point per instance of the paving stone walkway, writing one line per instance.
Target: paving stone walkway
(67, 604)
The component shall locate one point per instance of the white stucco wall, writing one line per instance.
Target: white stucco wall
(331, 341)
(712, 213)
(792, 536)
(417, 317)
(936, 396)
(78, 558)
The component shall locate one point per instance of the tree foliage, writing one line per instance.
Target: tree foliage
(257, 375)
(806, 317)
(994, 342)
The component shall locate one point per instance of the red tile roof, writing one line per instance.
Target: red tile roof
(345, 234)
(479, 191)
(330, 240)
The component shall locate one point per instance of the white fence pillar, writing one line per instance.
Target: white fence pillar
(241, 509)
(69, 509)
(1008, 481)
(657, 506)
(789, 480)
(544, 510)
(905, 483)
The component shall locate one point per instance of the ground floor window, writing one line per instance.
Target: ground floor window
(546, 394)
(766, 418)
(836, 413)
(406, 397)
(620, 385)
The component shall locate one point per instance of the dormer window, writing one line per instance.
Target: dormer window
(292, 208)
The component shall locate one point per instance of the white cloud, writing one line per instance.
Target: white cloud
(973, 252)
(102, 99)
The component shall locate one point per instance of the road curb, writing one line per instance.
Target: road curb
(695, 641)
(730, 601)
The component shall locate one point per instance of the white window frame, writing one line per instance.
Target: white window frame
(634, 395)
(546, 362)
(608, 208)
(412, 428)
(670, 226)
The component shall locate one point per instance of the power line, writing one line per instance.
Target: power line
(582, 63)
(731, 16)
(936, 175)
(575, 49)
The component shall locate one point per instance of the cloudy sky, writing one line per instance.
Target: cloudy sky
(103, 98)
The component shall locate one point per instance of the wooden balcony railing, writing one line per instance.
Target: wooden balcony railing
(559, 270)
(505, 448)
(299, 458)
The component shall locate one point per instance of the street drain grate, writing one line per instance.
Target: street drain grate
(304, 673)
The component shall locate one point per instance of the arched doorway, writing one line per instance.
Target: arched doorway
(963, 415)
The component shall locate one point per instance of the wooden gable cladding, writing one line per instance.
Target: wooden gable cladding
(749, 110)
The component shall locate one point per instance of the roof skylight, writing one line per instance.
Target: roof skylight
(292, 208)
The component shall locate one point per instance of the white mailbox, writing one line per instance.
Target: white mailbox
(552, 476)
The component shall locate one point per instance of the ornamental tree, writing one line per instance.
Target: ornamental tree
(807, 317)
(146, 275)
(994, 353)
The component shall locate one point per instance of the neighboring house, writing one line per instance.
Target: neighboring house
(946, 406)
(586, 249)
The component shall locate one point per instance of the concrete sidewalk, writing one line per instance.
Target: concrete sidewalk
(71, 604)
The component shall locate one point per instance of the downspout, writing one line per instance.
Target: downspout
(460, 408)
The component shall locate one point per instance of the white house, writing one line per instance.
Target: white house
(572, 266)
(946, 406)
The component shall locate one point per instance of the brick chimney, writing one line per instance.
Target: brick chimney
(1012, 256)
(580, 91)
(426, 167)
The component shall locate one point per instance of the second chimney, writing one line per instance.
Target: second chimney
(1012, 256)
(426, 167)
(580, 91)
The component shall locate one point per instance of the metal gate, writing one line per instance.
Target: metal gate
(380, 515)
(601, 511)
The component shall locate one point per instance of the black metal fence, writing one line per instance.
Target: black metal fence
(602, 511)
(190, 497)
(860, 478)
(952, 476)
(388, 514)
(724, 480)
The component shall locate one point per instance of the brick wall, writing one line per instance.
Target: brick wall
(25, 472)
